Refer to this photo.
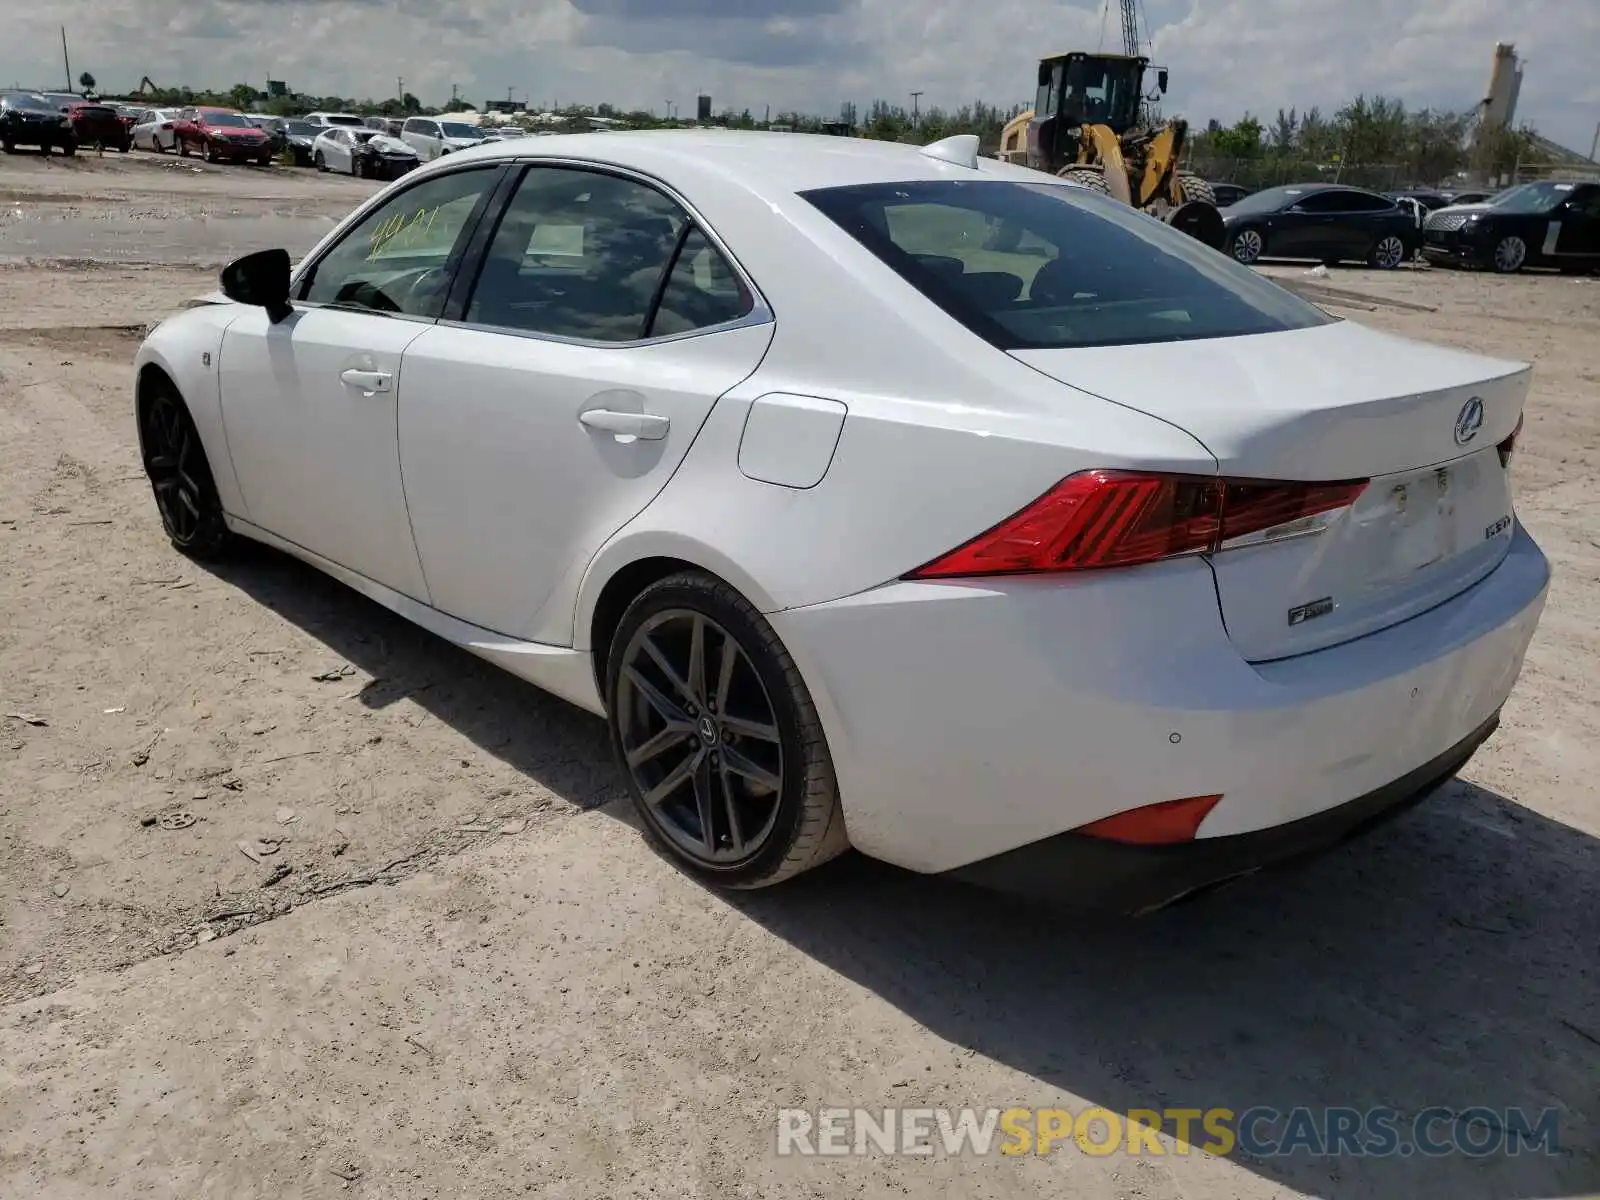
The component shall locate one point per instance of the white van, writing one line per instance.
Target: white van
(431, 137)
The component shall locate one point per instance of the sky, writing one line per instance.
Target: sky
(1226, 56)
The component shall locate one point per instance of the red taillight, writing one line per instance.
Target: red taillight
(1154, 824)
(1508, 447)
(1121, 518)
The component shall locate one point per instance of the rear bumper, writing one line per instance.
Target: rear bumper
(968, 719)
(1076, 869)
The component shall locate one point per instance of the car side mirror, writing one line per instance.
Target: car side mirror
(1161, 81)
(261, 279)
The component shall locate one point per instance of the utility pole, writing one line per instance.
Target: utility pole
(454, 91)
(915, 116)
(1595, 145)
(399, 87)
(65, 61)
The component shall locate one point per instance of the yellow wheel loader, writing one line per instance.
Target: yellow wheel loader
(1086, 127)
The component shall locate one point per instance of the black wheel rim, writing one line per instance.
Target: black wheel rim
(699, 736)
(172, 460)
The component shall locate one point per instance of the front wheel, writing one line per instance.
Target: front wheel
(180, 476)
(319, 162)
(718, 735)
(181, 146)
(1246, 246)
(1509, 255)
(69, 147)
(1387, 253)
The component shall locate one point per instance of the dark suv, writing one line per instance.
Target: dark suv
(28, 119)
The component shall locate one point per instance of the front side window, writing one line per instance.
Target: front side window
(399, 258)
(578, 254)
(1045, 266)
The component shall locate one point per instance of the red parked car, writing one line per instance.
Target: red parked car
(221, 133)
(99, 125)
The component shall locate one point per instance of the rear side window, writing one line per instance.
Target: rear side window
(578, 254)
(1043, 266)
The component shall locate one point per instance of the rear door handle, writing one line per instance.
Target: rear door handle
(645, 426)
(368, 381)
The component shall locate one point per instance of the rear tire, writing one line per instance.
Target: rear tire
(1192, 187)
(180, 476)
(727, 745)
(8, 146)
(1087, 177)
(69, 148)
(318, 161)
(1388, 252)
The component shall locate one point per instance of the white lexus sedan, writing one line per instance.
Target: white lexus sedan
(879, 496)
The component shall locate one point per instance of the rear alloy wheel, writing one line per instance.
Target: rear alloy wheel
(726, 761)
(1509, 254)
(175, 461)
(1246, 246)
(1388, 253)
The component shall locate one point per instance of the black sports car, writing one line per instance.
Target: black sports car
(1547, 224)
(1323, 221)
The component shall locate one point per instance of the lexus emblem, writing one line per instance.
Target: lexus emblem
(1469, 420)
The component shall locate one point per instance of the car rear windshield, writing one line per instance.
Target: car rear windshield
(1043, 266)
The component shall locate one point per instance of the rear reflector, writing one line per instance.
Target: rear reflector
(1154, 824)
(1100, 519)
(1508, 446)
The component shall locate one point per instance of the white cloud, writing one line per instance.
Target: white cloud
(1226, 56)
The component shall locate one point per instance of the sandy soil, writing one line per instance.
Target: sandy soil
(461, 972)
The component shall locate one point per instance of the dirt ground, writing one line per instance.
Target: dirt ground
(296, 900)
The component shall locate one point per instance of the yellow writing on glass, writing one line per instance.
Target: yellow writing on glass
(400, 232)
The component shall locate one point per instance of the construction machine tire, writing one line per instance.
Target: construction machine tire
(1089, 177)
(1192, 187)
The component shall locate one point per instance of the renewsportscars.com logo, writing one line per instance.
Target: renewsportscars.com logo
(1258, 1132)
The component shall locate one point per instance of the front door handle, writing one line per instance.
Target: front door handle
(368, 381)
(644, 426)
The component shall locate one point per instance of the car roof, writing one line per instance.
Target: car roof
(765, 164)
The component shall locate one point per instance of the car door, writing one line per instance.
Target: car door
(310, 403)
(1366, 218)
(1579, 234)
(553, 405)
(1286, 231)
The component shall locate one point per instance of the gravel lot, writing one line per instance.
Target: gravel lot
(475, 980)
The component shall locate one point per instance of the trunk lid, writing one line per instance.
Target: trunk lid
(1334, 402)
